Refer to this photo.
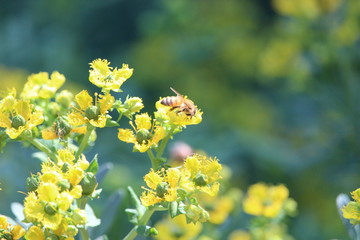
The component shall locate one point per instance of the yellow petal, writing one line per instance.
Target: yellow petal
(126, 135)
(84, 99)
(152, 179)
(143, 121)
(76, 119)
(106, 103)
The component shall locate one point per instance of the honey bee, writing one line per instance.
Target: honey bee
(180, 103)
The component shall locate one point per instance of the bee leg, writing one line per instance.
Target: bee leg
(173, 108)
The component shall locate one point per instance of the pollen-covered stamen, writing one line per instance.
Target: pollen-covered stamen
(162, 189)
(17, 121)
(200, 180)
(51, 208)
(92, 112)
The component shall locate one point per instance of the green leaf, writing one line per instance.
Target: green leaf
(96, 193)
(139, 207)
(103, 170)
(94, 165)
(173, 209)
(111, 123)
(40, 155)
(91, 219)
(133, 215)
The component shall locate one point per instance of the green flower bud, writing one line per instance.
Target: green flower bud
(196, 213)
(92, 112)
(64, 98)
(65, 167)
(54, 108)
(51, 208)
(142, 136)
(88, 183)
(17, 121)
(32, 183)
(62, 127)
(200, 180)
(162, 189)
(64, 185)
(153, 232)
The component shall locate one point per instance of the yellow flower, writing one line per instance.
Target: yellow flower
(177, 229)
(264, 200)
(351, 210)
(95, 114)
(163, 185)
(104, 77)
(8, 231)
(169, 115)
(18, 117)
(60, 129)
(48, 206)
(35, 233)
(239, 235)
(40, 86)
(204, 173)
(145, 134)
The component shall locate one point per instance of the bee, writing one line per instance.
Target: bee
(180, 103)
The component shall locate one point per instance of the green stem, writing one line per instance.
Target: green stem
(83, 232)
(120, 115)
(161, 148)
(36, 143)
(143, 220)
(84, 141)
(154, 162)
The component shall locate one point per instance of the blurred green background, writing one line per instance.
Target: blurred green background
(278, 82)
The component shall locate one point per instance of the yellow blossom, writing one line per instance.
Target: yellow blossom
(107, 78)
(239, 235)
(90, 112)
(204, 173)
(18, 117)
(264, 200)
(145, 134)
(48, 206)
(176, 117)
(35, 233)
(177, 229)
(163, 185)
(40, 86)
(8, 231)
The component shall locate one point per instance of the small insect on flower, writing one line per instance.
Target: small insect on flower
(180, 103)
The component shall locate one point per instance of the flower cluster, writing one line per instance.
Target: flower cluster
(50, 201)
(198, 174)
(9, 231)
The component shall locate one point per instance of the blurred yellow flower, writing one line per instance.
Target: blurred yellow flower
(177, 229)
(265, 200)
(40, 86)
(351, 210)
(90, 112)
(145, 135)
(163, 185)
(239, 235)
(18, 115)
(104, 77)
(8, 231)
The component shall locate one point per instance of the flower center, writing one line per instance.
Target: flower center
(51, 208)
(18, 121)
(200, 180)
(142, 136)
(162, 189)
(92, 112)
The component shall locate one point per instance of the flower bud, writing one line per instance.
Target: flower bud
(18, 121)
(71, 231)
(52, 237)
(153, 232)
(200, 180)
(162, 189)
(196, 214)
(88, 183)
(64, 185)
(62, 127)
(32, 183)
(92, 112)
(64, 98)
(142, 135)
(51, 208)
